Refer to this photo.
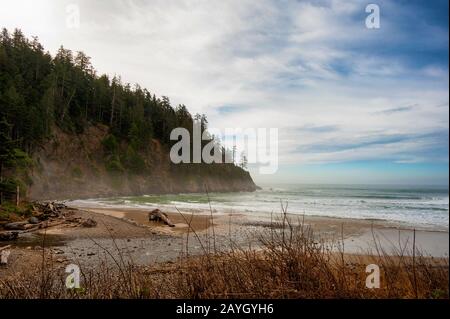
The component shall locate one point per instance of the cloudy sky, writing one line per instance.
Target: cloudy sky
(352, 104)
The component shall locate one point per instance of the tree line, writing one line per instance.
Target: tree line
(39, 92)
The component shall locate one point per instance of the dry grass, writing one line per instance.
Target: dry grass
(290, 263)
(293, 263)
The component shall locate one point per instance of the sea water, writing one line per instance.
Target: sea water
(422, 207)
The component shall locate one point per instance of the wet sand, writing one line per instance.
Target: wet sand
(393, 241)
(359, 236)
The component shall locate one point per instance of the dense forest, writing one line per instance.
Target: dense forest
(39, 92)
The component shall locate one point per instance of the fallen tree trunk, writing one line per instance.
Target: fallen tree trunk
(42, 226)
(17, 226)
(8, 236)
(158, 216)
(26, 228)
(31, 229)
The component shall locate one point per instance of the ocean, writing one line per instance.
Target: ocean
(421, 207)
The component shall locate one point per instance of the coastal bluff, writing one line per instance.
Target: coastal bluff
(73, 166)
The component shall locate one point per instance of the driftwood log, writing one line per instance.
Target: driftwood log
(158, 216)
(89, 223)
(45, 215)
(49, 209)
(8, 235)
(5, 247)
(18, 226)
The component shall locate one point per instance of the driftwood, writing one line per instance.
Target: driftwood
(8, 235)
(49, 209)
(25, 227)
(45, 215)
(49, 224)
(158, 216)
(17, 226)
(33, 220)
(31, 228)
(89, 223)
(5, 247)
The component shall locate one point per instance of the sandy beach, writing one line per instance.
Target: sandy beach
(125, 239)
(127, 232)
(359, 235)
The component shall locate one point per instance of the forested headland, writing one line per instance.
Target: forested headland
(106, 132)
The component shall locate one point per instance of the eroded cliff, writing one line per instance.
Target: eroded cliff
(70, 166)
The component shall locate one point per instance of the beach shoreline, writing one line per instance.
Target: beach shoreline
(128, 231)
(359, 235)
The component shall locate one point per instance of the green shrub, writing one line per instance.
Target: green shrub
(110, 145)
(8, 208)
(4, 215)
(113, 165)
(134, 162)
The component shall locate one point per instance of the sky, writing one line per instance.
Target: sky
(351, 104)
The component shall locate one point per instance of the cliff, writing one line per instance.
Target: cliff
(71, 166)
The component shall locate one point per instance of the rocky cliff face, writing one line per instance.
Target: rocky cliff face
(73, 166)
